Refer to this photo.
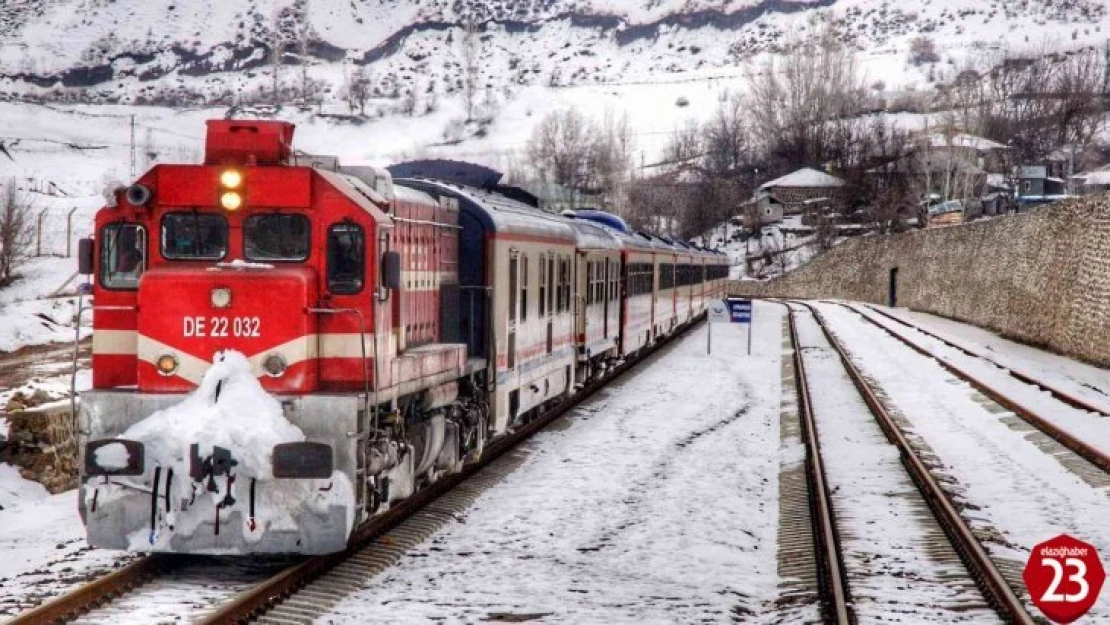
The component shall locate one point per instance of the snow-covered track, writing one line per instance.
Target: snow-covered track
(1055, 390)
(1060, 434)
(993, 584)
(306, 591)
(99, 591)
(833, 584)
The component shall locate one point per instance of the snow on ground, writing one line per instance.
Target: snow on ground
(1006, 480)
(28, 313)
(14, 489)
(887, 534)
(1092, 428)
(657, 503)
(1087, 381)
(44, 552)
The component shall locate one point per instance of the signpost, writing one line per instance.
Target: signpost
(731, 310)
(718, 313)
(741, 312)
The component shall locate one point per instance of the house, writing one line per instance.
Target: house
(761, 210)
(792, 192)
(1036, 186)
(980, 152)
(1092, 182)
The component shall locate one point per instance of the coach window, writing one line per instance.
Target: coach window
(551, 283)
(543, 285)
(566, 283)
(194, 236)
(589, 282)
(276, 237)
(523, 287)
(346, 258)
(122, 255)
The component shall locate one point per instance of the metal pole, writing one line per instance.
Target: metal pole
(709, 338)
(69, 232)
(38, 233)
(132, 147)
(751, 322)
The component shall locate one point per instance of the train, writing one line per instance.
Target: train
(395, 320)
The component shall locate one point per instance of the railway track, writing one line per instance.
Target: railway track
(373, 547)
(836, 581)
(1069, 439)
(1069, 398)
(832, 582)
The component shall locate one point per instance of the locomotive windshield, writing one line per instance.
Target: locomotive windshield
(122, 255)
(276, 237)
(194, 236)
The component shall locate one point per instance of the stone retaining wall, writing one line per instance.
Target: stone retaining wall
(1041, 277)
(42, 443)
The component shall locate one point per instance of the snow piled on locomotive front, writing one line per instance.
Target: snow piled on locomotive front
(228, 416)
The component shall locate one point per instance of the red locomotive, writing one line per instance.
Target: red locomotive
(395, 320)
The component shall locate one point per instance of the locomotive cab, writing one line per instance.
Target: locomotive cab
(253, 347)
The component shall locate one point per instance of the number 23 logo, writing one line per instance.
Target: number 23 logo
(1080, 577)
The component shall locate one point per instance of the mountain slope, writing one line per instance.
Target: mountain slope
(129, 50)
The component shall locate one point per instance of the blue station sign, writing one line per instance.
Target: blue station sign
(740, 310)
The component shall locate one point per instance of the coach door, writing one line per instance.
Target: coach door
(547, 287)
(606, 292)
(514, 307)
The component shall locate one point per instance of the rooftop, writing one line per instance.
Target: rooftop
(806, 178)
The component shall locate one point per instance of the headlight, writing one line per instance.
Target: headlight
(231, 201)
(274, 365)
(167, 364)
(231, 179)
(221, 297)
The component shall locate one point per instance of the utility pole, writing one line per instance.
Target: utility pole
(1106, 77)
(132, 147)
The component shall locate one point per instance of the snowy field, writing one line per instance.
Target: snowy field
(658, 503)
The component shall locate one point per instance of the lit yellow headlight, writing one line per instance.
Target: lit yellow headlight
(231, 200)
(167, 364)
(231, 179)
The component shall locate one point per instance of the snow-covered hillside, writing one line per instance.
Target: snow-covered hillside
(73, 71)
(130, 49)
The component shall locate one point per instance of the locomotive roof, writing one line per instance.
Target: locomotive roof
(497, 212)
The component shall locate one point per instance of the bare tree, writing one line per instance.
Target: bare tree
(685, 144)
(923, 50)
(358, 91)
(471, 52)
(560, 148)
(1041, 103)
(16, 234)
(805, 105)
(277, 52)
(611, 158)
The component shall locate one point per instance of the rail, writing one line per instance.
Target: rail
(833, 581)
(990, 580)
(1060, 394)
(1059, 434)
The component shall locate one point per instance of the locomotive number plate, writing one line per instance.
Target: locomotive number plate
(221, 327)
